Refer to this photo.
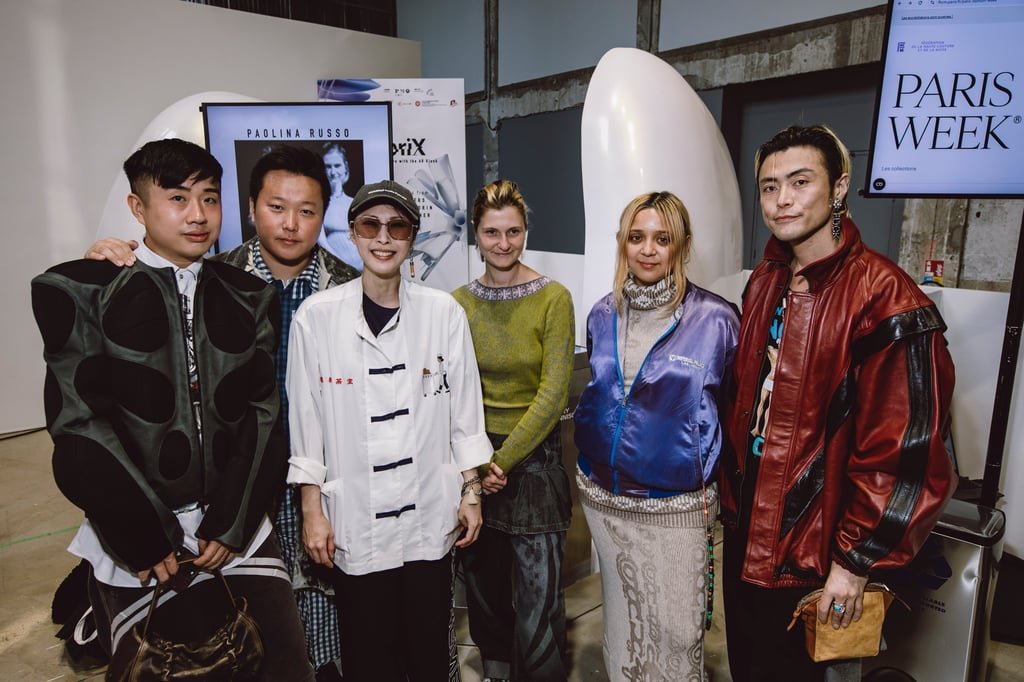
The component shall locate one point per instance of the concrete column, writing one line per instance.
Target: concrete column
(933, 229)
(648, 25)
(489, 109)
(990, 244)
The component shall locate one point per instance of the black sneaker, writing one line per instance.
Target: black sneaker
(328, 672)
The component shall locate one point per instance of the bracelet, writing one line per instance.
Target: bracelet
(474, 494)
(467, 484)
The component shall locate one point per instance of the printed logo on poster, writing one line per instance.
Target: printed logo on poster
(429, 157)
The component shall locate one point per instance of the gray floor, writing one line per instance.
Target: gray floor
(36, 524)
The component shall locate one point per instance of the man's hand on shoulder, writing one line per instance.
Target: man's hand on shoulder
(118, 252)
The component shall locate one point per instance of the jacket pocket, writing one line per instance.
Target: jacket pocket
(685, 472)
(700, 454)
(332, 499)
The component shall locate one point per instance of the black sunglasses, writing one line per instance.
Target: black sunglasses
(368, 227)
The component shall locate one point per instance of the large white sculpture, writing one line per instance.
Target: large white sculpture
(644, 129)
(184, 120)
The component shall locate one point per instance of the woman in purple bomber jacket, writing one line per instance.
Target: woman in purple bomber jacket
(648, 433)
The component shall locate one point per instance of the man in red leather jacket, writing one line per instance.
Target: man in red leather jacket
(843, 380)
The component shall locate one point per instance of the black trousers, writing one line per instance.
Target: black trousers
(760, 648)
(516, 604)
(396, 624)
(199, 610)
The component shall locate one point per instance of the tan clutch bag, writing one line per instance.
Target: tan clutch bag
(860, 640)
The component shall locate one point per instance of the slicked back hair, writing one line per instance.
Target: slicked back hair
(834, 153)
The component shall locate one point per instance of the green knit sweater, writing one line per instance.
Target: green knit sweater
(524, 340)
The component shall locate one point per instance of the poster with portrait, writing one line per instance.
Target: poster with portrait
(354, 140)
(428, 157)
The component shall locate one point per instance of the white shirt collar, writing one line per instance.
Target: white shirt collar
(154, 260)
(186, 284)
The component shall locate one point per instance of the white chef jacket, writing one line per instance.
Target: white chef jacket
(385, 425)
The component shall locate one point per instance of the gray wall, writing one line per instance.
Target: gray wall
(541, 38)
(82, 79)
(692, 22)
(454, 30)
(545, 52)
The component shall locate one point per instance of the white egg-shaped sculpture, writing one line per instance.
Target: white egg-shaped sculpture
(184, 120)
(644, 129)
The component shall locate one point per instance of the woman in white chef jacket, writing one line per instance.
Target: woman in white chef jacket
(387, 429)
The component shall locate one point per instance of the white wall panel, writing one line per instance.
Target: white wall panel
(81, 80)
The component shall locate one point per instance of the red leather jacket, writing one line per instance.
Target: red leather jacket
(854, 466)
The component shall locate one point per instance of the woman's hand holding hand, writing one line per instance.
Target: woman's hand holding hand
(495, 479)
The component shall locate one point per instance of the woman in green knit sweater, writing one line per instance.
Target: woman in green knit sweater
(523, 330)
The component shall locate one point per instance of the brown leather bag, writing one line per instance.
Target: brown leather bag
(861, 639)
(234, 650)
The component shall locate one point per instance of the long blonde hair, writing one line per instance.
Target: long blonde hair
(676, 221)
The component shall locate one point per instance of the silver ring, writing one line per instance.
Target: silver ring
(840, 609)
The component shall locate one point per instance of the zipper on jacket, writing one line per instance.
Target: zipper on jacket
(745, 478)
(626, 396)
(194, 399)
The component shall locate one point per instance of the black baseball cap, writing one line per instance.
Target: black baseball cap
(385, 192)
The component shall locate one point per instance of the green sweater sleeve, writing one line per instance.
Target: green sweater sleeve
(553, 391)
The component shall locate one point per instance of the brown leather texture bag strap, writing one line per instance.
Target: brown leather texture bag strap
(161, 588)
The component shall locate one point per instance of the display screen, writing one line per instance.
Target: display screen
(239, 134)
(950, 107)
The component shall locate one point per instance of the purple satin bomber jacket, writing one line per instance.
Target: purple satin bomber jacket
(663, 438)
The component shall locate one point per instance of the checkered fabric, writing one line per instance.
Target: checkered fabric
(316, 609)
(292, 294)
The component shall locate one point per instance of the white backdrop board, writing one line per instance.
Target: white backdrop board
(82, 80)
(974, 318)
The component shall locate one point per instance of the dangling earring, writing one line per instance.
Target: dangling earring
(837, 219)
(412, 267)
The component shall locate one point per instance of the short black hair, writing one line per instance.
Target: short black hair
(292, 159)
(170, 163)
